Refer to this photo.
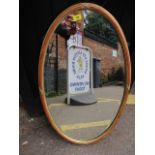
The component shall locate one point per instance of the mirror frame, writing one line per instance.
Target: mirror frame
(48, 36)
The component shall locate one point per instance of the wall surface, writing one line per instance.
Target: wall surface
(103, 52)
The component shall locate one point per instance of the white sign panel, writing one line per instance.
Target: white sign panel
(114, 53)
(75, 39)
(79, 70)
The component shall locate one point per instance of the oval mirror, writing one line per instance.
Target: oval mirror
(84, 73)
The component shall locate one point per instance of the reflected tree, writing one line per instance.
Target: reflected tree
(97, 24)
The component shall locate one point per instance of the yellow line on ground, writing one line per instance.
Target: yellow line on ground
(85, 125)
(131, 99)
(107, 99)
(56, 105)
(101, 101)
(63, 104)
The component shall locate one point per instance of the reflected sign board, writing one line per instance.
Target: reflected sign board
(79, 65)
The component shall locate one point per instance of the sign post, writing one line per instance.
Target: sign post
(79, 69)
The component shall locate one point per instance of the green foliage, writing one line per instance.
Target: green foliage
(100, 26)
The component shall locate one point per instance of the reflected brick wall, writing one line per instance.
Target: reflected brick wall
(101, 51)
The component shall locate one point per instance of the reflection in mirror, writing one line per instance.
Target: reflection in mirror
(85, 28)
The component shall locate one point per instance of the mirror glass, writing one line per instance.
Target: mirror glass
(90, 116)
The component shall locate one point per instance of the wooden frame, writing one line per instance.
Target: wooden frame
(126, 55)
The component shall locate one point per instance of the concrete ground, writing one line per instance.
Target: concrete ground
(88, 121)
(38, 138)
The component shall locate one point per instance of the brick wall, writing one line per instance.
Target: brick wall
(101, 51)
(104, 52)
